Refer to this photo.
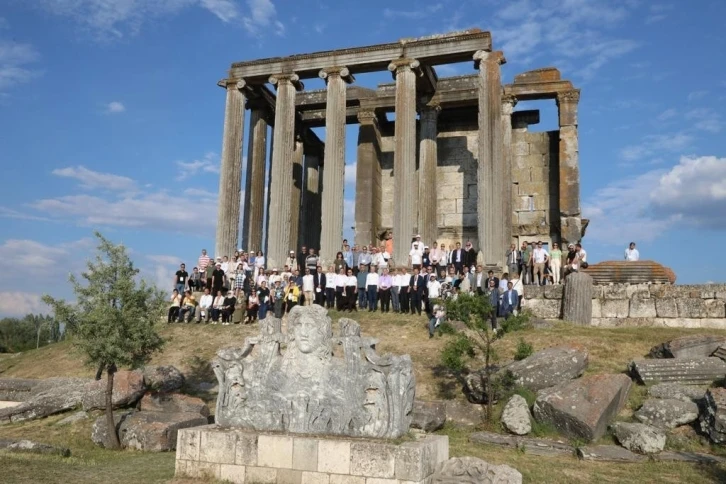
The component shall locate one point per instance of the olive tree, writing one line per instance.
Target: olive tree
(113, 320)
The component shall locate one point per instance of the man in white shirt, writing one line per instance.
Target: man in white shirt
(539, 259)
(308, 287)
(481, 282)
(631, 253)
(417, 240)
(383, 258)
(396, 290)
(372, 289)
(415, 256)
(205, 307)
(581, 255)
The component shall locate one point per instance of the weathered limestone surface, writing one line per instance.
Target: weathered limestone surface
(30, 447)
(550, 367)
(694, 346)
(230, 176)
(253, 224)
(333, 177)
(173, 403)
(583, 408)
(404, 158)
(491, 159)
(569, 168)
(713, 418)
(667, 413)
(428, 415)
(689, 371)
(296, 194)
(280, 193)
(577, 300)
(368, 184)
(529, 445)
(427, 188)
(128, 388)
(307, 390)
(471, 470)
(516, 416)
(677, 391)
(639, 438)
(251, 457)
(163, 379)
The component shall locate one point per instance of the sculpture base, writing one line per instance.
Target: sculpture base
(247, 456)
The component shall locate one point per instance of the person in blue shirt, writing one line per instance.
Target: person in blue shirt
(510, 301)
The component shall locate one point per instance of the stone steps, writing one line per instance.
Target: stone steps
(689, 371)
(624, 272)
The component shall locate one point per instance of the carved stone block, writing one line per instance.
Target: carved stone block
(372, 460)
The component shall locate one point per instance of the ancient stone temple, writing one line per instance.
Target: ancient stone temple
(449, 158)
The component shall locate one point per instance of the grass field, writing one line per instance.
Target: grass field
(189, 347)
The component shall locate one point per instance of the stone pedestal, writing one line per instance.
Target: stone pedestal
(404, 159)
(230, 174)
(280, 193)
(253, 225)
(490, 174)
(247, 457)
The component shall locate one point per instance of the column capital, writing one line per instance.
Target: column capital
(404, 64)
(496, 57)
(287, 78)
(367, 116)
(429, 109)
(239, 84)
(508, 103)
(570, 96)
(341, 71)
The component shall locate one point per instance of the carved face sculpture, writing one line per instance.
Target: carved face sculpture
(309, 334)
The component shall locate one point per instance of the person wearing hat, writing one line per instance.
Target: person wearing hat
(274, 277)
(573, 261)
(417, 240)
(415, 256)
(291, 260)
(470, 255)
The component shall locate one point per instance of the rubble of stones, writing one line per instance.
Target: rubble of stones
(685, 379)
(149, 410)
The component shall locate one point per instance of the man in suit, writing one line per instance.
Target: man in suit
(469, 255)
(513, 259)
(456, 258)
(320, 282)
(510, 301)
(417, 286)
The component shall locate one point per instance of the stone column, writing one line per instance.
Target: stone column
(230, 172)
(428, 225)
(254, 206)
(569, 167)
(296, 194)
(310, 222)
(331, 234)
(508, 103)
(367, 179)
(490, 172)
(404, 158)
(278, 231)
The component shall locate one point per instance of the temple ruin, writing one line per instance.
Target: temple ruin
(494, 181)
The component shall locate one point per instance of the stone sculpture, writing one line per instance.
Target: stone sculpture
(307, 389)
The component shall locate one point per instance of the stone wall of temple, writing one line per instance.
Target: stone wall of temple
(686, 306)
(535, 199)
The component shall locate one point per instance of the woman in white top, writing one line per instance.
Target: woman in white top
(259, 262)
(308, 288)
(217, 307)
(175, 306)
(330, 287)
(340, 280)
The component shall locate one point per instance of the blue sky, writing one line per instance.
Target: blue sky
(110, 118)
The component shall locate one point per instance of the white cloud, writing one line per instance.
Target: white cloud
(93, 179)
(705, 119)
(658, 12)
(262, 16)
(14, 60)
(225, 10)
(654, 144)
(696, 95)
(694, 191)
(414, 14)
(115, 107)
(667, 114)
(208, 164)
(350, 172)
(18, 303)
(38, 259)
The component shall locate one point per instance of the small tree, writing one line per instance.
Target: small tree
(474, 342)
(113, 319)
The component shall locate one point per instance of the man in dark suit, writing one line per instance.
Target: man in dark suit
(510, 301)
(469, 255)
(417, 287)
(320, 281)
(457, 258)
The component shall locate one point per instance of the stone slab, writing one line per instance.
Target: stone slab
(247, 456)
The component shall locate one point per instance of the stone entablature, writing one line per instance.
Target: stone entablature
(687, 306)
(250, 457)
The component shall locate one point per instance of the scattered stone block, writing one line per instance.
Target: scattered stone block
(165, 379)
(713, 418)
(688, 371)
(70, 420)
(173, 403)
(667, 413)
(156, 432)
(639, 438)
(696, 346)
(464, 413)
(99, 430)
(48, 397)
(128, 388)
(542, 447)
(549, 367)
(583, 408)
(685, 393)
(470, 470)
(608, 453)
(516, 416)
(428, 416)
(31, 447)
